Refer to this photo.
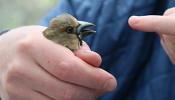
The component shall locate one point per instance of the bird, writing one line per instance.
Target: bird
(67, 31)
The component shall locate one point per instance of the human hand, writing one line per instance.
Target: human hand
(163, 25)
(34, 68)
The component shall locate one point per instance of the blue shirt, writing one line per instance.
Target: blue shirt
(136, 59)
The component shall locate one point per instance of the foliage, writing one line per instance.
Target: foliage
(15, 13)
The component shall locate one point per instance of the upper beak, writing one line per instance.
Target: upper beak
(82, 28)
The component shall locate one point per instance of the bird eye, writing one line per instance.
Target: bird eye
(69, 29)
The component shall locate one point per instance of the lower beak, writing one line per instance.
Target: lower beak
(82, 28)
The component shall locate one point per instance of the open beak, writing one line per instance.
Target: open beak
(82, 28)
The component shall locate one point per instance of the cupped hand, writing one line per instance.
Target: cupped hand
(34, 68)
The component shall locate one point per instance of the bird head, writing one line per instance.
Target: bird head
(68, 25)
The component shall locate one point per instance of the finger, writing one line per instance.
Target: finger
(63, 64)
(26, 95)
(45, 84)
(169, 12)
(84, 46)
(159, 24)
(21, 92)
(88, 56)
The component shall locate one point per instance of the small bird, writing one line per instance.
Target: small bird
(68, 31)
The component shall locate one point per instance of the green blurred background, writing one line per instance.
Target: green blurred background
(15, 13)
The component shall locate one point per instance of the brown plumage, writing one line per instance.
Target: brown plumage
(67, 31)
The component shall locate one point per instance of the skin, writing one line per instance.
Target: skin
(31, 70)
(162, 25)
(35, 68)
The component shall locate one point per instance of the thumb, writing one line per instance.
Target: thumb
(88, 56)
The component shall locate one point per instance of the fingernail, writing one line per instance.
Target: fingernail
(110, 85)
(134, 20)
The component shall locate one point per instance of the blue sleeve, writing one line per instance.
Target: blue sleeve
(63, 6)
(4, 31)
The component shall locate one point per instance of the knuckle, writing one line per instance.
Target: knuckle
(9, 88)
(63, 69)
(107, 82)
(156, 24)
(157, 28)
(12, 74)
(8, 84)
(102, 83)
(24, 44)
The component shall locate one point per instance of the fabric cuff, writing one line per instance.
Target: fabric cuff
(4, 31)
